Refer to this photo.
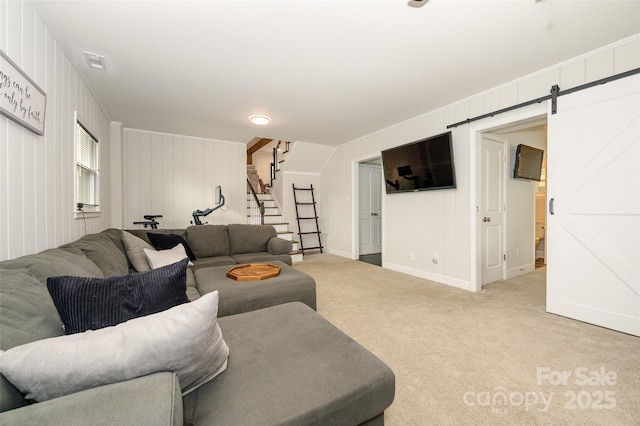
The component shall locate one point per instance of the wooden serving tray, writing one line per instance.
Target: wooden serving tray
(253, 272)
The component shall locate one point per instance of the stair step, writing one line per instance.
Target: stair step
(296, 256)
(271, 219)
(287, 235)
(280, 227)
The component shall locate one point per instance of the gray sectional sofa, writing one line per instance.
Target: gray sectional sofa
(284, 363)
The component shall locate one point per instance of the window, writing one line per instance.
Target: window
(86, 166)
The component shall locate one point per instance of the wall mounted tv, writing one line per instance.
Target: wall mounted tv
(528, 163)
(419, 166)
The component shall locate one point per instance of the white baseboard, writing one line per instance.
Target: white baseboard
(520, 270)
(338, 253)
(442, 279)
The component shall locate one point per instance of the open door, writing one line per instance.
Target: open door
(492, 205)
(593, 220)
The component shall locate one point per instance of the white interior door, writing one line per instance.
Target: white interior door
(370, 206)
(593, 221)
(491, 210)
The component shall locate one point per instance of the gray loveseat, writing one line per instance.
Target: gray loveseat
(286, 364)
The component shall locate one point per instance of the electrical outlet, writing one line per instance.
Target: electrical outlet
(435, 258)
(517, 252)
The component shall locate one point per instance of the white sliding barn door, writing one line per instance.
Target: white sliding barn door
(593, 217)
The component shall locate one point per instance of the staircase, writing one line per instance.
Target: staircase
(273, 217)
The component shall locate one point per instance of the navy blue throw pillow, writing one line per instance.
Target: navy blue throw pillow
(87, 303)
(169, 241)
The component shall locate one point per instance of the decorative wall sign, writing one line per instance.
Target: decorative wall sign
(21, 99)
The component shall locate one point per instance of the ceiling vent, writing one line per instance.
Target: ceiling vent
(95, 61)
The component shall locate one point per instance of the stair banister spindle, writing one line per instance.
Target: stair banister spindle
(258, 203)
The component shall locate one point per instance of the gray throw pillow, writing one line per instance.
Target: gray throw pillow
(185, 339)
(134, 247)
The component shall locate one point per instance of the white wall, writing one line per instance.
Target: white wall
(37, 172)
(262, 160)
(174, 175)
(440, 221)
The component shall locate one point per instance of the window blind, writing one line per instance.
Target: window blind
(86, 166)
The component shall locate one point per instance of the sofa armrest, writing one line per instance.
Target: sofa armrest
(153, 399)
(277, 245)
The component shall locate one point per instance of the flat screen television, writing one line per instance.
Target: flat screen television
(423, 165)
(528, 163)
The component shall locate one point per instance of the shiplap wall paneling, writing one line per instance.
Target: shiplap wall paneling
(36, 172)
(174, 175)
(425, 222)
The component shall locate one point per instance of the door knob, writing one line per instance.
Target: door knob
(374, 214)
(486, 219)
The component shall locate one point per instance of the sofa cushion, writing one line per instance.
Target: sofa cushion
(156, 398)
(28, 314)
(301, 369)
(169, 241)
(245, 238)
(93, 303)
(134, 248)
(261, 256)
(116, 236)
(160, 258)
(101, 250)
(208, 262)
(208, 240)
(185, 339)
(70, 261)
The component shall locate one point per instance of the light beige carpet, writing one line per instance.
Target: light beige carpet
(493, 357)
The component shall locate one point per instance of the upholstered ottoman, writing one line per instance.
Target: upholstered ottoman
(237, 297)
(290, 366)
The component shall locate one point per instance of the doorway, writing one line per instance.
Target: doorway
(502, 208)
(368, 206)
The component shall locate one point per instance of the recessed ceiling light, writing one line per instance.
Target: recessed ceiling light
(260, 120)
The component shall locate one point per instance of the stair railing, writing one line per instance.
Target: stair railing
(275, 166)
(256, 207)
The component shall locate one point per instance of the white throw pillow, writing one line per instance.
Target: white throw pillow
(185, 339)
(160, 258)
(134, 247)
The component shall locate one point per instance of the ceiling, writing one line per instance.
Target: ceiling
(326, 71)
